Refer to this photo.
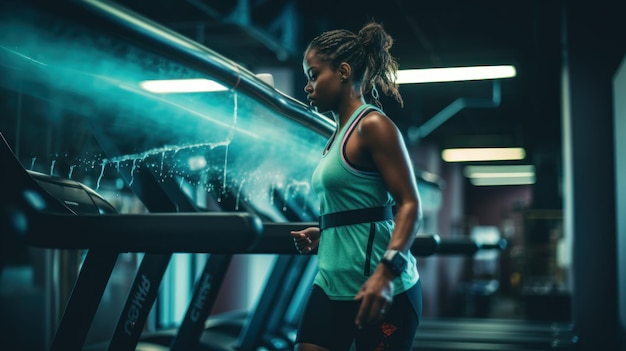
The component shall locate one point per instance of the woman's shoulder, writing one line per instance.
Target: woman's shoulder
(377, 126)
(375, 118)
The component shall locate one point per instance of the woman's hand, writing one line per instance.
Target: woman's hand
(376, 296)
(306, 240)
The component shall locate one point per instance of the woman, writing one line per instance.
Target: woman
(367, 289)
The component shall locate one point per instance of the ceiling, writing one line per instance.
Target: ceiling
(266, 33)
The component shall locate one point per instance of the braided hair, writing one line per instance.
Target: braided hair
(367, 52)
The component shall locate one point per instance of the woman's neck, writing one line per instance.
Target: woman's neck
(346, 110)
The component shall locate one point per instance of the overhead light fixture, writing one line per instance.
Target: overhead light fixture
(195, 85)
(500, 175)
(483, 154)
(452, 74)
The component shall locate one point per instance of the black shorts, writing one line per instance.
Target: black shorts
(330, 324)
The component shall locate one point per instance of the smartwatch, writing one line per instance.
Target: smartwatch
(395, 260)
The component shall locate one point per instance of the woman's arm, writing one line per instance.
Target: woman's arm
(380, 141)
(380, 145)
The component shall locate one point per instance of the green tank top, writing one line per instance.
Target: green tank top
(348, 255)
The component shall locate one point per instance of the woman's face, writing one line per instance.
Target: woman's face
(324, 84)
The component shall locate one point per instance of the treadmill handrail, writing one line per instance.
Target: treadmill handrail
(35, 217)
(214, 232)
(276, 239)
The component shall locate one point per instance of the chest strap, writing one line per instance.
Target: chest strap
(361, 215)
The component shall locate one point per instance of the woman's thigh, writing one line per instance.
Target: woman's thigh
(326, 323)
(396, 331)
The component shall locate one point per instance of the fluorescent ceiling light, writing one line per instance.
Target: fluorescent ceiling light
(500, 175)
(504, 171)
(502, 181)
(452, 74)
(195, 85)
(483, 154)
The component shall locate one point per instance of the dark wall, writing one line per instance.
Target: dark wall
(594, 40)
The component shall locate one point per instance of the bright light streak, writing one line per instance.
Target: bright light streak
(452, 74)
(504, 171)
(502, 181)
(500, 175)
(195, 85)
(483, 154)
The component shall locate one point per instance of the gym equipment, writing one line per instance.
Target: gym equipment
(464, 334)
(105, 235)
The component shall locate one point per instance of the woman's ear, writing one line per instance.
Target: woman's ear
(344, 70)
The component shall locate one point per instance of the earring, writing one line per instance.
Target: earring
(374, 92)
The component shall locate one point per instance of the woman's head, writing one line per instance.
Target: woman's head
(371, 65)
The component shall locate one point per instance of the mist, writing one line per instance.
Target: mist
(82, 115)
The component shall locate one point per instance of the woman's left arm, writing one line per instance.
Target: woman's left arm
(383, 141)
(380, 139)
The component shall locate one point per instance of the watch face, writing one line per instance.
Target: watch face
(395, 261)
(399, 261)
